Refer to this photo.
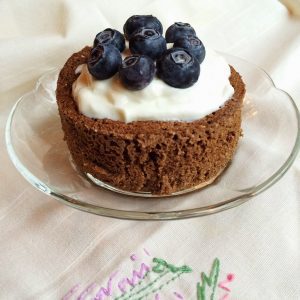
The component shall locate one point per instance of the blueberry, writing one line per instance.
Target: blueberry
(104, 61)
(149, 42)
(193, 45)
(136, 71)
(179, 30)
(178, 68)
(110, 37)
(138, 21)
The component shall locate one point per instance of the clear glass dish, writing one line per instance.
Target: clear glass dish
(268, 148)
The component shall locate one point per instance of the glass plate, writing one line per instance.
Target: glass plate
(268, 148)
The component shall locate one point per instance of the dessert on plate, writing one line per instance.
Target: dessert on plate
(163, 118)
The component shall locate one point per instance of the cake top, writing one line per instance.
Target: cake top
(158, 81)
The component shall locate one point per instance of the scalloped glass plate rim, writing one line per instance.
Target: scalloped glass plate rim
(157, 215)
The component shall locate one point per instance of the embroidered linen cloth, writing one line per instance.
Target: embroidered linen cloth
(51, 251)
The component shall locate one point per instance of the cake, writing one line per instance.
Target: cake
(154, 156)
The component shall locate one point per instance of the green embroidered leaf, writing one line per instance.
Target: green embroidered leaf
(210, 281)
(185, 269)
(160, 265)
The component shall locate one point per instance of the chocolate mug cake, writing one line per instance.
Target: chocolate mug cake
(162, 120)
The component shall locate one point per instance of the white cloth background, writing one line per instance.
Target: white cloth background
(47, 248)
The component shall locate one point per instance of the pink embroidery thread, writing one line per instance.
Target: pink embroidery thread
(222, 284)
(230, 277)
(145, 250)
(122, 285)
(71, 291)
(133, 257)
(106, 291)
(86, 291)
(224, 297)
(136, 277)
(178, 295)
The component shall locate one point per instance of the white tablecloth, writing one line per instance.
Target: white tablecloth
(50, 251)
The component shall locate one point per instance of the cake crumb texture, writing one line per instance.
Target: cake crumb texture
(151, 156)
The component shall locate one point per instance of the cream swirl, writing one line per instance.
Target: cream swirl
(102, 99)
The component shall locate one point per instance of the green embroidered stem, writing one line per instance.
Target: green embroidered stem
(145, 287)
(211, 281)
(161, 286)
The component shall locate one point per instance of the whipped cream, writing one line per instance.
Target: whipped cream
(102, 99)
